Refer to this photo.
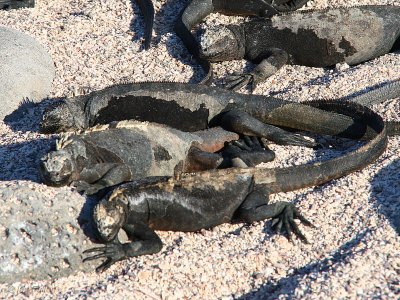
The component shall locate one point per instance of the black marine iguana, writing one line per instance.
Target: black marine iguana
(194, 201)
(314, 38)
(191, 107)
(197, 10)
(15, 4)
(107, 155)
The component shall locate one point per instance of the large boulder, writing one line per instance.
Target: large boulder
(43, 232)
(26, 70)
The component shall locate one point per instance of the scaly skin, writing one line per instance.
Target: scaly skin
(315, 38)
(194, 201)
(191, 107)
(111, 154)
(197, 10)
(15, 4)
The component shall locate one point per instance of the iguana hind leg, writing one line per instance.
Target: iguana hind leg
(199, 160)
(246, 152)
(256, 208)
(241, 122)
(101, 176)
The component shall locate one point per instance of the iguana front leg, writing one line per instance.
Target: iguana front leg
(256, 208)
(144, 241)
(243, 123)
(271, 61)
(101, 176)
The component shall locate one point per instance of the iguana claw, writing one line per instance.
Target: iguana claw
(286, 220)
(236, 81)
(112, 252)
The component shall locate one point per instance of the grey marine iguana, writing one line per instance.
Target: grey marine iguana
(190, 107)
(197, 10)
(190, 202)
(106, 155)
(314, 38)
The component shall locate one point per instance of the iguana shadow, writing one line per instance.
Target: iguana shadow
(287, 285)
(385, 193)
(85, 217)
(327, 78)
(20, 161)
(28, 115)
(137, 22)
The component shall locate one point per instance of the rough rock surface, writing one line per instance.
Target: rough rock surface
(354, 252)
(42, 235)
(26, 70)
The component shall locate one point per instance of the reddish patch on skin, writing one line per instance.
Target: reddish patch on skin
(215, 138)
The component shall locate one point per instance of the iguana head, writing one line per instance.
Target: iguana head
(57, 168)
(109, 217)
(60, 117)
(220, 43)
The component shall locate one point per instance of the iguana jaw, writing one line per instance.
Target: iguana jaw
(220, 43)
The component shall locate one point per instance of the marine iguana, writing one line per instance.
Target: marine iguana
(107, 155)
(197, 10)
(15, 4)
(314, 38)
(190, 202)
(190, 107)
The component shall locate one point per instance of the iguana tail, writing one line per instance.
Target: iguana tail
(382, 93)
(147, 9)
(187, 19)
(296, 177)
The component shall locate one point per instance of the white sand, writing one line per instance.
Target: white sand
(355, 252)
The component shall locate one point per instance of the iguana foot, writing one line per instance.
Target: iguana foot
(286, 220)
(236, 81)
(112, 252)
(294, 140)
(249, 150)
